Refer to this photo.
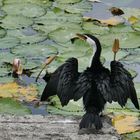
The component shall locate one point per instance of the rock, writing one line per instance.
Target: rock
(52, 127)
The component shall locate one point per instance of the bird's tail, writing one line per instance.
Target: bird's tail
(89, 119)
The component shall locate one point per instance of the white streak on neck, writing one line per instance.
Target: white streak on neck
(94, 47)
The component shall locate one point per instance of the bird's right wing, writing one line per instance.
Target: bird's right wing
(67, 78)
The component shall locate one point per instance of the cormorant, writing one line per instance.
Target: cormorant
(97, 85)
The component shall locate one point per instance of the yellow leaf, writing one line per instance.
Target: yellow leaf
(125, 124)
(18, 92)
(112, 21)
(133, 19)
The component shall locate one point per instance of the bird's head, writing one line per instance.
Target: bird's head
(92, 40)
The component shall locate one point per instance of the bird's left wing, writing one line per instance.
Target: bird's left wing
(116, 85)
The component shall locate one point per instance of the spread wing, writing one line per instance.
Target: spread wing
(68, 76)
(117, 85)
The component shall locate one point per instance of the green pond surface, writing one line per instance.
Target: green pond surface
(32, 30)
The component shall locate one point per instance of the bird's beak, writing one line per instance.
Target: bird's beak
(80, 36)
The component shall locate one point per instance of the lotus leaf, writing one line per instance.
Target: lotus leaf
(136, 26)
(34, 51)
(131, 12)
(81, 7)
(27, 35)
(11, 106)
(6, 79)
(121, 28)
(15, 22)
(1, 2)
(24, 9)
(45, 3)
(95, 29)
(68, 1)
(63, 35)
(3, 72)
(2, 32)
(2, 14)
(8, 42)
(73, 108)
(127, 40)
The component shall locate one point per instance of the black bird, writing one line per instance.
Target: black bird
(97, 85)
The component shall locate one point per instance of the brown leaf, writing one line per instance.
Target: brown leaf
(125, 124)
(112, 21)
(116, 47)
(116, 11)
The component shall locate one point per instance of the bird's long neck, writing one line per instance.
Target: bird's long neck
(95, 59)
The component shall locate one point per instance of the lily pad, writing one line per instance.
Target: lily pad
(136, 26)
(8, 42)
(2, 14)
(45, 3)
(81, 7)
(27, 35)
(121, 28)
(73, 108)
(15, 22)
(127, 40)
(34, 51)
(68, 1)
(1, 2)
(24, 9)
(6, 79)
(3, 72)
(131, 12)
(2, 32)
(63, 20)
(11, 106)
(95, 29)
(63, 35)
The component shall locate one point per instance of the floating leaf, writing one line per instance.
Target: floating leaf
(63, 35)
(95, 29)
(116, 11)
(131, 12)
(127, 40)
(133, 19)
(136, 26)
(44, 3)
(2, 32)
(81, 7)
(73, 108)
(125, 124)
(24, 9)
(68, 1)
(112, 21)
(39, 52)
(12, 90)
(15, 22)
(29, 37)
(11, 106)
(8, 42)
(64, 20)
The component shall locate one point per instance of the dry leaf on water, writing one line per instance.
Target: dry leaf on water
(116, 11)
(125, 124)
(18, 92)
